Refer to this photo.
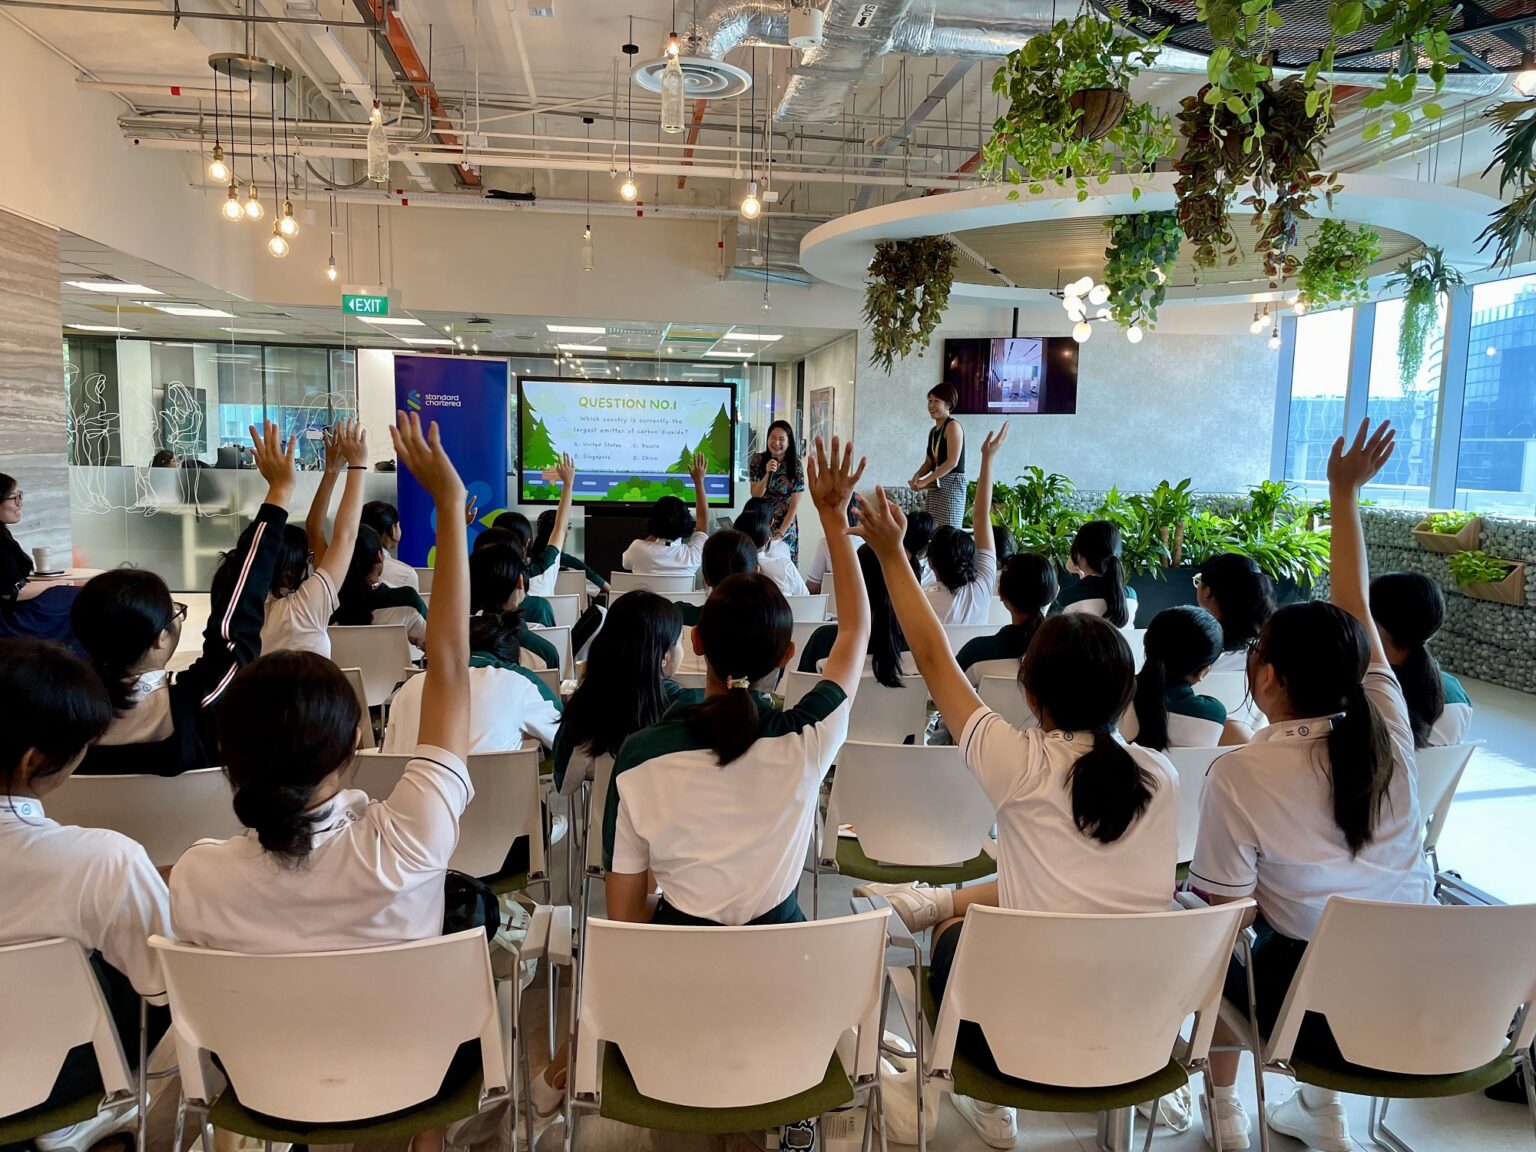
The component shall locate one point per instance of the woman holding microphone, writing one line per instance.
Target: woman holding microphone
(777, 476)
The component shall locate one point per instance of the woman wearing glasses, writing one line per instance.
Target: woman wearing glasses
(129, 627)
(27, 607)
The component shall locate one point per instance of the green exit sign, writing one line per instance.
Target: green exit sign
(359, 305)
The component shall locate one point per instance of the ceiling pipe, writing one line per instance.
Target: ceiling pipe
(465, 202)
(176, 16)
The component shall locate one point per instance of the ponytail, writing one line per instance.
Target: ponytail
(496, 634)
(729, 722)
(745, 628)
(1096, 547)
(1409, 609)
(354, 599)
(1423, 692)
(1117, 609)
(1110, 790)
(1180, 644)
(886, 641)
(1151, 704)
(1360, 764)
(279, 815)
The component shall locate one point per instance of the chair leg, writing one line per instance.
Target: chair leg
(525, 1073)
(181, 1122)
(1527, 1066)
(918, 1027)
(870, 1095)
(554, 1007)
(141, 1129)
(1258, 1052)
(1377, 1131)
(1207, 1091)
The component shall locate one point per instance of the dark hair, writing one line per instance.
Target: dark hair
(162, 459)
(292, 565)
(920, 529)
(726, 553)
(116, 618)
(354, 599)
(496, 634)
(1027, 584)
(754, 526)
(1002, 542)
(496, 537)
(1180, 642)
(952, 557)
(1245, 598)
(495, 574)
(745, 628)
(286, 722)
(516, 523)
(622, 692)
(758, 506)
(791, 465)
(1079, 670)
(1410, 608)
(7, 485)
(886, 640)
(544, 528)
(381, 516)
(1097, 547)
(945, 394)
(669, 520)
(1320, 653)
(53, 702)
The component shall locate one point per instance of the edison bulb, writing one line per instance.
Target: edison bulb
(286, 223)
(1299, 307)
(278, 244)
(218, 171)
(253, 208)
(1274, 339)
(1081, 331)
(232, 208)
(629, 189)
(751, 206)
(1134, 334)
(1257, 326)
(330, 270)
(588, 259)
(1098, 294)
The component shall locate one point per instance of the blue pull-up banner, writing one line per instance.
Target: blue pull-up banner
(468, 399)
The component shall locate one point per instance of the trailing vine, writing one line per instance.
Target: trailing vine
(1423, 282)
(1142, 251)
(907, 294)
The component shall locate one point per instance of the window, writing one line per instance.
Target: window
(1319, 382)
(1411, 405)
(1496, 466)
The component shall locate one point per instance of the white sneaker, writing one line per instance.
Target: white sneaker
(547, 1099)
(1232, 1121)
(1326, 1129)
(997, 1125)
(1174, 1111)
(79, 1137)
(918, 905)
(558, 826)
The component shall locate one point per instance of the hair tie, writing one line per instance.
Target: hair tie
(737, 682)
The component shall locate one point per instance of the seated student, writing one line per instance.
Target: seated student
(777, 546)
(1233, 589)
(322, 867)
(668, 549)
(1180, 646)
(498, 576)
(920, 529)
(1027, 585)
(90, 885)
(1102, 591)
(1085, 823)
(726, 553)
(301, 603)
(780, 569)
(543, 583)
(363, 599)
(965, 570)
(1322, 803)
(129, 626)
(1408, 609)
(384, 520)
(1003, 542)
(888, 660)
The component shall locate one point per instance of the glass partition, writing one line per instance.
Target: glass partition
(1318, 384)
(1411, 405)
(1496, 465)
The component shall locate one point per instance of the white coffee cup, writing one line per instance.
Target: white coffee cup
(44, 560)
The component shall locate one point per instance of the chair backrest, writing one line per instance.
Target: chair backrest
(1231, 688)
(329, 1036)
(695, 598)
(380, 651)
(572, 582)
(550, 677)
(959, 635)
(803, 631)
(166, 814)
(51, 1002)
(506, 805)
(1081, 1001)
(560, 637)
(424, 581)
(880, 715)
(1005, 696)
(355, 678)
(566, 609)
(808, 609)
(1419, 989)
(622, 582)
(998, 614)
(597, 808)
(1439, 771)
(689, 679)
(1192, 766)
(671, 1000)
(830, 593)
(909, 804)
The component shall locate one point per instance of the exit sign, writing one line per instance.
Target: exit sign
(359, 305)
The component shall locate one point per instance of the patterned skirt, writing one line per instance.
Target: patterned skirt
(945, 501)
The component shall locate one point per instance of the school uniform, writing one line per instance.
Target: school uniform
(545, 569)
(972, 603)
(537, 610)
(298, 621)
(1089, 595)
(1235, 660)
(727, 843)
(680, 557)
(508, 705)
(1194, 721)
(821, 562)
(819, 647)
(782, 571)
(399, 575)
(537, 653)
(574, 766)
(374, 874)
(1451, 728)
(173, 726)
(997, 655)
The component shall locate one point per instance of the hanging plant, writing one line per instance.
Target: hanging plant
(1417, 33)
(1423, 282)
(1237, 68)
(1142, 251)
(1069, 115)
(907, 294)
(1515, 158)
(1337, 265)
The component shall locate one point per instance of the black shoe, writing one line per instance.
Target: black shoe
(1509, 1089)
(799, 1136)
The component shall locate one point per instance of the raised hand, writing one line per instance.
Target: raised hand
(994, 441)
(697, 470)
(471, 510)
(1353, 468)
(832, 479)
(348, 441)
(274, 460)
(334, 461)
(563, 473)
(427, 460)
(881, 524)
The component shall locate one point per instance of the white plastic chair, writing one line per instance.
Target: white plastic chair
(550, 677)
(1193, 767)
(808, 609)
(355, 678)
(879, 715)
(670, 1001)
(1137, 639)
(622, 582)
(1231, 688)
(998, 614)
(380, 651)
(1004, 696)
(166, 814)
(424, 581)
(830, 593)
(1439, 771)
(566, 610)
(689, 680)
(572, 582)
(560, 637)
(959, 635)
(695, 598)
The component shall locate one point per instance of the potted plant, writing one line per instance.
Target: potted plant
(1423, 282)
(1142, 251)
(1337, 266)
(1070, 116)
(1448, 532)
(907, 294)
(1488, 577)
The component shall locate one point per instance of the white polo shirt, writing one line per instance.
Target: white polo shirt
(374, 874)
(399, 575)
(971, 604)
(1044, 864)
(665, 557)
(1087, 596)
(1451, 727)
(726, 843)
(1194, 721)
(297, 622)
(90, 885)
(1267, 826)
(1236, 661)
(782, 571)
(505, 709)
(821, 560)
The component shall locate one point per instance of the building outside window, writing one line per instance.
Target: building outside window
(1496, 465)
(1319, 384)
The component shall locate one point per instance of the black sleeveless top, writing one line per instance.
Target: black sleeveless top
(938, 446)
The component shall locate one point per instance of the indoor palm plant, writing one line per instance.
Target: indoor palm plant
(1423, 282)
(1515, 158)
(907, 294)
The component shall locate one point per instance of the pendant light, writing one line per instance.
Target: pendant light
(218, 170)
(1258, 323)
(330, 265)
(378, 146)
(588, 255)
(233, 211)
(629, 189)
(1274, 338)
(278, 245)
(751, 206)
(672, 83)
(286, 224)
(1525, 80)
(253, 208)
(1134, 334)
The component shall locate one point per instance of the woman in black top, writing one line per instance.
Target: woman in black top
(129, 626)
(942, 476)
(27, 608)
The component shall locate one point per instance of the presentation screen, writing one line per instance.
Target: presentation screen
(632, 441)
(1021, 376)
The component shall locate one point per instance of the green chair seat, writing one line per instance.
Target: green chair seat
(1343, 1076)
(23, 1126)
(980, 1079)
(622, 1101)
(851, 861)
(506, 884)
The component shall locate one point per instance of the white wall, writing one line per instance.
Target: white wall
(835, 367)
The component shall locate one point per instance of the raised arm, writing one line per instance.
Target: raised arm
(445, 694)
(831, 481)
(1348, 568)
(565, 472)
(314, 523)
(981, 516)
(882, 526)
(700, 501)
(349, 441)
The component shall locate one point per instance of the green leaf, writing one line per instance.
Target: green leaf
(1400, 124)
(1314, 98)
(1372, 130)
(1433, 111)
(1375, 99)
(1236, 106)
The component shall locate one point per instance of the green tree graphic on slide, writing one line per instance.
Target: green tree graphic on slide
(538, 451)
(715, 448)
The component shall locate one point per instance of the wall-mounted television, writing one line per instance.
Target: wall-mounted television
(1017, 376)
